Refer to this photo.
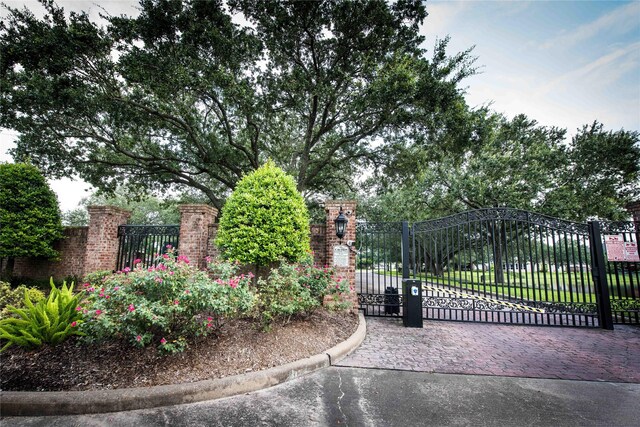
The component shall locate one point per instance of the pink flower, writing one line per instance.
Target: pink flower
(187, 291)
(176, 302)
(159, 279)
(136, 262)
(251, 275)
(116, 288)
(171, 273)
(138, 338)
(98, 312)
(151, 269)
(126, 269)
(86, 285)
(163, 341)
(131, 307)
(207, 258)
(209, 325)
(169, 246)
(78, 308)
(209, 319)
(107, 296)
(74, 324)
(183, 259)
(162, 267)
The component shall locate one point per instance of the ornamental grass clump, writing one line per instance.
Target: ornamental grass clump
(164, 305)
(49, 321)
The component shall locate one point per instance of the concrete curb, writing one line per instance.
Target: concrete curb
(27, 403)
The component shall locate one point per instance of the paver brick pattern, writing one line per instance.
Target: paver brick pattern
(501, 350)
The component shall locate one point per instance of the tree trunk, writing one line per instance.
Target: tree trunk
(495, 239)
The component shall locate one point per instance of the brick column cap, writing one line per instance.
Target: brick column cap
(328, 203)
(109, 209)
(195, 208)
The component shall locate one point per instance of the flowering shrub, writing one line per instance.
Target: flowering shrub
(318, 280)
(282, 296)
(163, 305)
(338, 291)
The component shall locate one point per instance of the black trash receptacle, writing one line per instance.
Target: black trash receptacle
(391, 301)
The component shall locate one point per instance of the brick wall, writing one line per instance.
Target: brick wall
(92, 248)
(71, 260)
(319, 243)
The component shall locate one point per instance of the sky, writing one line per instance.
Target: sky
(562, 63)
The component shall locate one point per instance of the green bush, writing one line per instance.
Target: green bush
(50, 320)
(164, 305)
(265, 219)
(15, 297)
(29, 213)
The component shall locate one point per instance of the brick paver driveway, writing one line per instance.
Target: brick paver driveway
(505, 350)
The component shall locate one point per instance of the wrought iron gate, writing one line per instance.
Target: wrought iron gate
(379, 268)
(505, 266)
(143, 242)
(499, 265)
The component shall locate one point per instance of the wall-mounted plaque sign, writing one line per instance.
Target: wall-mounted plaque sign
(619, 250)
(341, 256)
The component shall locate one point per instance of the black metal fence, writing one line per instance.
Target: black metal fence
(144, 242)
(502, 266)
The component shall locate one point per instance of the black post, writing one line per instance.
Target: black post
(599, 276)
(405, 250)
(412, 303)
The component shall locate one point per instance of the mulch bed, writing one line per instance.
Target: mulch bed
(241, 347)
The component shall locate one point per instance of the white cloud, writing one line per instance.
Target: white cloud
(602, 72)
(620, 21)
(441, 17)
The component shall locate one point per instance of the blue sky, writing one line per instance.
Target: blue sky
(563, 63)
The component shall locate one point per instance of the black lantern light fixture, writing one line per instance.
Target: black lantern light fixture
(341, 224)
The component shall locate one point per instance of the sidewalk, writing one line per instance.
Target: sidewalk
(504, 350)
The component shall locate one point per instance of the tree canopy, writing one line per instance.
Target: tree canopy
(183, 96)
(512, 163)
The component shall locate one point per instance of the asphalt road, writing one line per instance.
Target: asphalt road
(339, 396)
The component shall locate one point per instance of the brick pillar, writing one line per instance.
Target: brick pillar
(332, 209)
(634, 210)
(102, 237)
(194, 232)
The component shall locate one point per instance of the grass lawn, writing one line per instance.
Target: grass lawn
(536, 286)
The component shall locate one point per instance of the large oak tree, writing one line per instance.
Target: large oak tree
(182, 95)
